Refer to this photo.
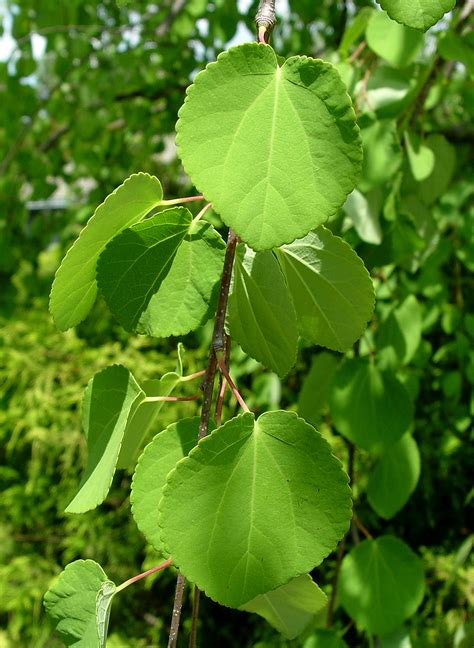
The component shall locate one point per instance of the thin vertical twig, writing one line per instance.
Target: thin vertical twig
(175, 617)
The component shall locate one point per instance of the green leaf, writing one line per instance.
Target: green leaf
(156, 462)
(291, 607)
(381, 584)
(382, 154)
(399, 336)
(456, 47)
(246, 139)
(188, 294)
(331, 289)
(421, 158)
(313, 394)
(364, 217)
(134, 264)
(78, 603)
(419, 14)
(262, 317)
(388, 91)
(142, 417)
(397, 44)
(255, 504)
(394, 478)
(325, 639)
(355, 30)
(369, 407)
(109, 399)
(400, 638)
(438, 181)
(74, 288)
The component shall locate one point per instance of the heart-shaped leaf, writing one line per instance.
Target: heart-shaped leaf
(261, 142)
(255, 504)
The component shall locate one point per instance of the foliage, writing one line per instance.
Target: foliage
(410, 219)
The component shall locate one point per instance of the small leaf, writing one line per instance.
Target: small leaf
(394, 478)
(134, 264)
(187, 295)
(291, 607)
(325, 639)
(79, 603)
(382, 154)
(74, 288)
(158, 459)
(397, 44)
(369, 407)
(261, 502)
(246, 141)
(143, 416)
(331, 289)
(400, 638)
(381, 584)
(458, 47)
(430, 189)
(109, 400)
(419, 14)
(399, 336)
(262, 317)
(313, 394)
(421, 158)
(365, 219)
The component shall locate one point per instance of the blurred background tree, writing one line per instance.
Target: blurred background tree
(90, 94)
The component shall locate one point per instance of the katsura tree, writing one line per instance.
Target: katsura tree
(246, 508)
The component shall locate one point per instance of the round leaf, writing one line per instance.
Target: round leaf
(395, 43)
(331, 289)
(157, 460)
(369, 407)
(74, 288)
(255, 504)
(419, 14)
(261, 142)
(381, 584)
(394, 478)
(79, 603)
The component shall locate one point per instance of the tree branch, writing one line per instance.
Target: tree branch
(265, 20)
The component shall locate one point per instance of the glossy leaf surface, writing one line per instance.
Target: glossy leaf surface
(290, 607)
(262, 317)
(369, 407)
(261, 501)
(394, 477)
(381, 584)
(419, 14)
(78, 603)
(74, 289)
(109, 399)
(157, 460)
(261, 142)
(135, 263)
(331, 289)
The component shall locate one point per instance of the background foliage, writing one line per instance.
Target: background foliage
(91, 93)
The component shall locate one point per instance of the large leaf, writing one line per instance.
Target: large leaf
(394, 478)
(78, 603)
(74, 288)
(262, 317)
(399, 336)
(158, 459)
(143, 416)
(134, 264)
(331, 289)
(110, 398)
(187, 294)
(291, 607)
(397, 44)
(255, 504)
(261, 142)
(369, 407)
(381, 584)
(419, 14)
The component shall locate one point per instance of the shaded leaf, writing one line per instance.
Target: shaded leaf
(314, 391)
(364, 218)
(420, 157)
(325, 639)
(262, 317)
(261, 501)
(397, 44)
(382, 154)
(399, 336)
(74, 289)
(246, 141)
